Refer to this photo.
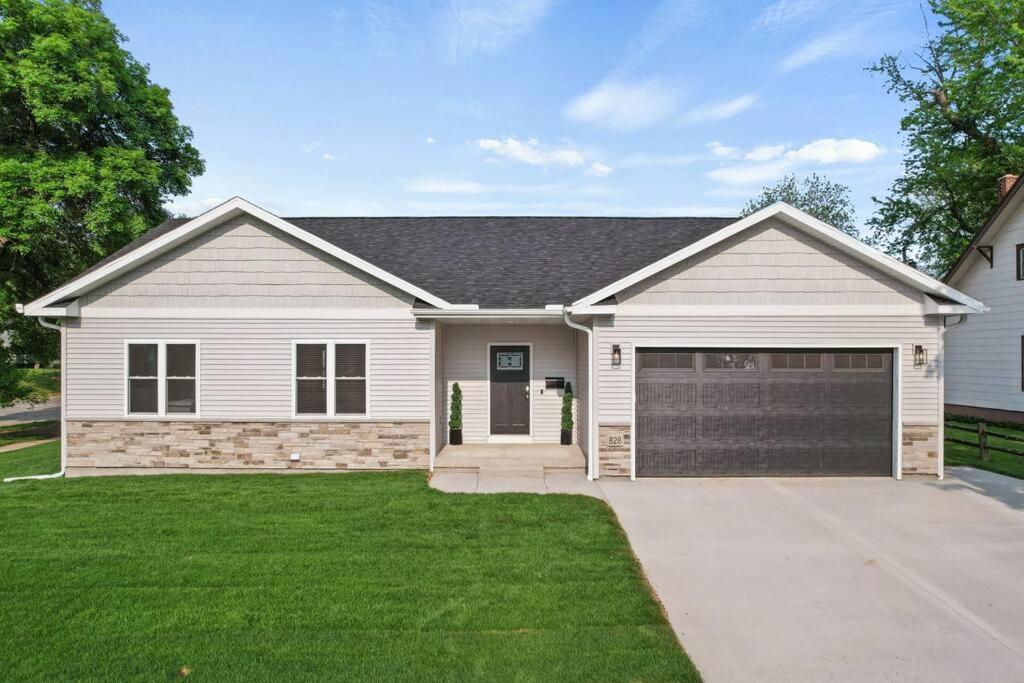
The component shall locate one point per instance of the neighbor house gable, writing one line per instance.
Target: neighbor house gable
(807, 224)
(241, 263)
(771, 264)
(1001, 233)
(233, 208)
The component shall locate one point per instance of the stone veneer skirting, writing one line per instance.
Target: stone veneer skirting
(613, 451)
(207, 445)
(921, 448)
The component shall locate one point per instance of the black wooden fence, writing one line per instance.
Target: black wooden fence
(983, 434)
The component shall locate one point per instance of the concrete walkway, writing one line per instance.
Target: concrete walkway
(518, 480)
(837, 579)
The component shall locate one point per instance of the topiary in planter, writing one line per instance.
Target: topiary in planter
(455, 417)
(567, 415)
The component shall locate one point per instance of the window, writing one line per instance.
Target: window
(730, 361)
(1020, 261)
(665, 358)
(796, 361)
(330, 378)
(162, 378)
(859, 361)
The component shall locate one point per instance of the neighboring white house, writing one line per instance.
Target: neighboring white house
(985, 357)
(768, 345)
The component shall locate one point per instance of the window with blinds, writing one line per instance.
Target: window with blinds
(330, 378)
(162, 378)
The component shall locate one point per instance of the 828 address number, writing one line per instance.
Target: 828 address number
(615, 440)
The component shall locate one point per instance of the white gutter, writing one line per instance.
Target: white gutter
(591, 408)
(63, 394)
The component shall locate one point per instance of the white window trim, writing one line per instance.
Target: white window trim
(331, 379)
(161, 380)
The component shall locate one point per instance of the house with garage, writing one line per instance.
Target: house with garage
(985, 359)
(239, 340)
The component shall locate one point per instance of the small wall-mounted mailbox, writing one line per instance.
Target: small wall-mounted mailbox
(554, 383)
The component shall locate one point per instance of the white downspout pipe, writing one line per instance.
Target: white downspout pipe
(63, 399)
(591, 408)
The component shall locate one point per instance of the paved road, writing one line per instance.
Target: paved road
(837, 579)
(29, 413)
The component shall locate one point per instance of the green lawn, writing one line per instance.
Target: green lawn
(41, 459)
(29, 431)
(1002, 463)
(355, 576)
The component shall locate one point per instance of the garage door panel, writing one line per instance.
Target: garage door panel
(725, 395)
(751, 413)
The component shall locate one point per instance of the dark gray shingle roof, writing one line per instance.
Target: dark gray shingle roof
(501, 262)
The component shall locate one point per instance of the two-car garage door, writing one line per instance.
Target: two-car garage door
(757, 412)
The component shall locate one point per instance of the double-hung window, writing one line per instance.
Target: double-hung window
(162, 378)
(330, 378)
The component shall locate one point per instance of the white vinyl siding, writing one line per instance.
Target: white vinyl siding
(580, 391)
(922, 403)
(246, 365)
(770, 264)
(983, 355)
(466, 362)
(244, 263)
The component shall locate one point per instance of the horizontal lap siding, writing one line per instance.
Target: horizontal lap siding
(921, 399)
(983, 355)
(465, 362)
(246, 365)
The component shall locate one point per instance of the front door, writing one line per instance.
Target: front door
(510, 389)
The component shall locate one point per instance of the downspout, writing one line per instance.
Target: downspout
(591, 408)
(63, 394)
(961, 319)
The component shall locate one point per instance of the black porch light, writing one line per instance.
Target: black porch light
(920, 355)
(616, 355)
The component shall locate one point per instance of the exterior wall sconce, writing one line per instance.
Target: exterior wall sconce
(616, 355)
(920, 356)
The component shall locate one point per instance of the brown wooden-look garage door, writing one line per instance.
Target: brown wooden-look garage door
(740, 412)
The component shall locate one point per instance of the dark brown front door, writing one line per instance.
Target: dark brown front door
(510, 389)
(758, 412)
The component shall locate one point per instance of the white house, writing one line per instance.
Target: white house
(985, 358)
(768, 345)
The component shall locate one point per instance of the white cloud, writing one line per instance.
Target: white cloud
(192, 205)
(530, 152)
(667, 19)
(327, 156)
(783, 14)
(720, 150)
(624, 105)
(831, 151)
(599, 169)
(765, 153)
(430, 140)
(770, 162)
(842, 43)
(721, 110)
(311, 146)
(487, 26)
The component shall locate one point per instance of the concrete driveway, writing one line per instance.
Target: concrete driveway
(837, 579)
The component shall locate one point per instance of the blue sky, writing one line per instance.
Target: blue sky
(541, 107)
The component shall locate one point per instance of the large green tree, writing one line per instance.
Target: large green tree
(824, 199)
(90, 149)
(964, 129)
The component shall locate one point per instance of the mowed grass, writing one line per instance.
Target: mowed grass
(23, 462)
(29, 431)
(1001, 463)
(369, 576)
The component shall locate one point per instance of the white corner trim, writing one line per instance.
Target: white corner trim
(229, 209)
(807, 223)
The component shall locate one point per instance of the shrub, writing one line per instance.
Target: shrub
(567, 407)
(455, 414)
